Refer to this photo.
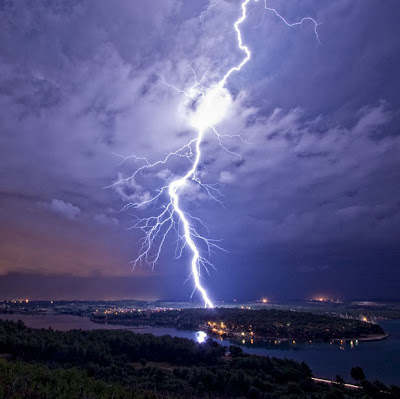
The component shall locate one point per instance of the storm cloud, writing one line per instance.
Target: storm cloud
(312, 202)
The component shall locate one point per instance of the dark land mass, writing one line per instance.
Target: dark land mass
(75, 308)
(259, 323)
(121, 364)
(371, 310)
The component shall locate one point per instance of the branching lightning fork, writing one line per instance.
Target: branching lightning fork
(212, 107)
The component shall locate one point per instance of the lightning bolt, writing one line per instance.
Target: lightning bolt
(298, 23)
(211, 108)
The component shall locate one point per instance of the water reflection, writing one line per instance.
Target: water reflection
(201, 336)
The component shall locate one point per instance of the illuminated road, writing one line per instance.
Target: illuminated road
(351, 386)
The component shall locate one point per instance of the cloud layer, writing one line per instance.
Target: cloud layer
(316, 183)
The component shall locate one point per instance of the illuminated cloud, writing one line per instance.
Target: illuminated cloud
(226, 177)
(62, 208)
(105, 219)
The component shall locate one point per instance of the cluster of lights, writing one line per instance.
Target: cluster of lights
(17, 301)
(119, 310)
(324, 298)
(216, 328)
(221, 329)
(134, 310)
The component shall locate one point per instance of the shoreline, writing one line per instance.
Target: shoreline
(370, 338)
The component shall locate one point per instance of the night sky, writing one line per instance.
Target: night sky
(312, 207)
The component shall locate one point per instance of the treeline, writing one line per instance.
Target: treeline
(121, 364)
(103, 347)
(33, 381)
(263, 322)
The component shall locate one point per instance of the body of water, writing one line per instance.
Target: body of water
(379, 359)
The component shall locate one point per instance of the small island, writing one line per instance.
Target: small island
(237, 323)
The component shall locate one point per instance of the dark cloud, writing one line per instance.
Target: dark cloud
(313, 196)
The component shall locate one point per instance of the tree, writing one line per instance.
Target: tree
(335, 393)
(357, 373)
(235, 351)
(254, 393)
(339, 379)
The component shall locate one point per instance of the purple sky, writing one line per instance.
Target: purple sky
(311, 208)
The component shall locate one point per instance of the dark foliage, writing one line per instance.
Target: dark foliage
(121, 364)
(357, 373)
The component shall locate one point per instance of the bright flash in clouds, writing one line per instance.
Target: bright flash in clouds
(212, 109)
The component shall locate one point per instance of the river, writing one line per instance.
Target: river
(379, 359)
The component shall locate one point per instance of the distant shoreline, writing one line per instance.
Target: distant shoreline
(378, 337)
(370, 338)
(133, 327)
